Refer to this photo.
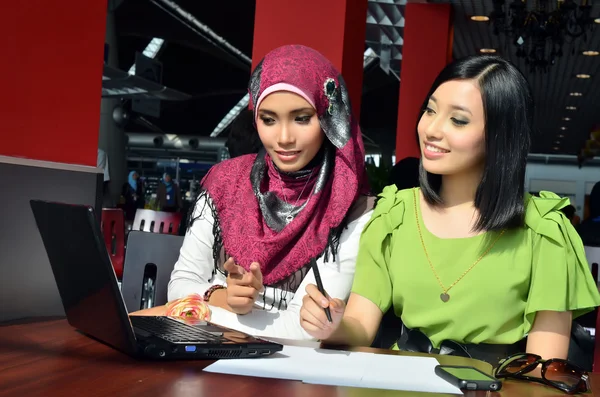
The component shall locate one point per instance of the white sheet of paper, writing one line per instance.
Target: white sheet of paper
(342, 368)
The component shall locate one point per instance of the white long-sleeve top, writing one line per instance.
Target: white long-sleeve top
(193, 273)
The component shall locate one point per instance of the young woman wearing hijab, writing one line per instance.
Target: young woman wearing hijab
(133, 195)
(169, 195)
(261, 218)
(471, 263)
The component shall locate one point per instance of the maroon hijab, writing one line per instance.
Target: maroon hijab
(251, 198)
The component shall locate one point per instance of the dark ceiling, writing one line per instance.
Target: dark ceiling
(217, 80)
(551, 90)
(214, 79)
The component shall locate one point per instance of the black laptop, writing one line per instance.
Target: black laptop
(93, 302)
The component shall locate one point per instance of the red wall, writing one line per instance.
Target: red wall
(427, 49)
(51, 71)
(335, 28)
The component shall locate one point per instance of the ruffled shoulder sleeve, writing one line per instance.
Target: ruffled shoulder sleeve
(561, 279)
(389, 210)
(372, 278)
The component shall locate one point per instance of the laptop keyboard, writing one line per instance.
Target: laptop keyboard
(174, 331)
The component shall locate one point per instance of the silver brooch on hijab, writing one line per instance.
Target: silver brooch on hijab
(329, 87)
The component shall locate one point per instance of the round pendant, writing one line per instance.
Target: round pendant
(445, 297)
(289, 218)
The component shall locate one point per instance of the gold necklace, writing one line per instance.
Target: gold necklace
(444, 295)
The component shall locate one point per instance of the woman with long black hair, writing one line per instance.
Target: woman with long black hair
(469, 261)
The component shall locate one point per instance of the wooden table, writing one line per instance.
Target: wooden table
(50, 358)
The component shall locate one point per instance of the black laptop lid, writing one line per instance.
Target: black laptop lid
(84, 274)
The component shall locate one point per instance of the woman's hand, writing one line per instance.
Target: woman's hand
(243, 287)
(312, 315)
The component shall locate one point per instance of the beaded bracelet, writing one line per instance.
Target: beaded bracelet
(212, 289)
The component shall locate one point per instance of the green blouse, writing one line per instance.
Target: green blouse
(540, 266)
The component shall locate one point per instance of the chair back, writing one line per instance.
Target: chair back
(596, 364)
(149, 262)
(113, 231)
(390, 330)
(157, 221)
(592, 254)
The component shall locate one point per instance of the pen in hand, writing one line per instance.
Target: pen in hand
(320, 286)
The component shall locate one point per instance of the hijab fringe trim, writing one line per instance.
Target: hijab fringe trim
(284, 286)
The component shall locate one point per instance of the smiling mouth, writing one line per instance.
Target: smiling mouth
(435, 149)
(290, 153)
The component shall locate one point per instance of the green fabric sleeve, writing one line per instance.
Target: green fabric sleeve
(372, 279)
(561, 278)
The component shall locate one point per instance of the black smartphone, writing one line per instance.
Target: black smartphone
(468, 378)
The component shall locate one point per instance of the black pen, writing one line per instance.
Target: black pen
(320, 286)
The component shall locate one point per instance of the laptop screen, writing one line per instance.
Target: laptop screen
(83, 272)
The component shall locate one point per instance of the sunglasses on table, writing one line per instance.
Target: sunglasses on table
(556, 372)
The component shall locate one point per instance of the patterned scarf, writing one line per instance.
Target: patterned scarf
(248, 193)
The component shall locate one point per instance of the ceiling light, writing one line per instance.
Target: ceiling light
(482, 18)
(583, 76)
(487, 51)
(557, 142)
(150, 51)
(597, 20)
(563, 128)
(566, 119)
(591, 53)
(576, 94)
(556, 148)
(561, 136)
(571, 108)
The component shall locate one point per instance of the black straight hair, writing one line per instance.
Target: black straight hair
(508, 109)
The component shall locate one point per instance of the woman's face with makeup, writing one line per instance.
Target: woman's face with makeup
(289, 129)
(452, 129)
